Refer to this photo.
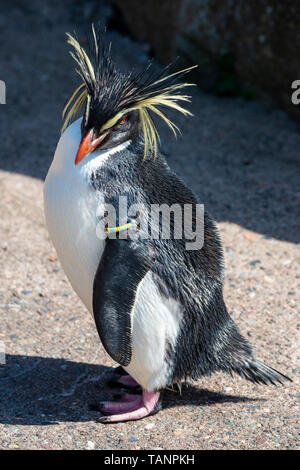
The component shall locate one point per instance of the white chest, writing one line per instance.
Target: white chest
(71, 220)
(70, 208)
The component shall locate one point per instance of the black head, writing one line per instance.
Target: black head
(118, 106)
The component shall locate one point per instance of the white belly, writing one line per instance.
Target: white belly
(70, 208)
(155, 326)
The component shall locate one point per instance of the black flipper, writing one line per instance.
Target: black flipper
(123, 265)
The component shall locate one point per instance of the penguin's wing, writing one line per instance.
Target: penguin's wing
(123, 265)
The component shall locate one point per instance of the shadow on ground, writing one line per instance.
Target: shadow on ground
(43, 391)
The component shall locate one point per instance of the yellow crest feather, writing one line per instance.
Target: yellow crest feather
(145, 97)
(150, 103)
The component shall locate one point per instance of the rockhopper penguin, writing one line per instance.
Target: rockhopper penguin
(158, 307)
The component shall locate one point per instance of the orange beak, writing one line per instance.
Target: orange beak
(87, 145)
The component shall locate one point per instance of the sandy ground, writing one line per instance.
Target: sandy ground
(242, 159)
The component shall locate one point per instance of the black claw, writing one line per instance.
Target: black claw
(95, 406)
(103, 419)
(118, 396)
(135, 390)
(113, 383)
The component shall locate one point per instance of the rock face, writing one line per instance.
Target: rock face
(239, 46)
(153, 21)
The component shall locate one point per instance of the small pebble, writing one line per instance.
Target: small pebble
(90, 445)
(150, 426)
(255, 262)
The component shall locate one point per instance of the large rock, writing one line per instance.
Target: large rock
(239, 46)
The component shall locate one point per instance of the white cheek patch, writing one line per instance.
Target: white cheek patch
(96, 160)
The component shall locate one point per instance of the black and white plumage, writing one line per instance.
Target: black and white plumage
(158, 308)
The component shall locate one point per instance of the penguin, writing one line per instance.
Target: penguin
(158, 306)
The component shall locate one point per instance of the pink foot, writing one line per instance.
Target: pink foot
(129, 408)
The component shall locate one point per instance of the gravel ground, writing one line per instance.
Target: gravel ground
(243, 161)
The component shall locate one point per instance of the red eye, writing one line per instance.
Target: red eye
(124, 120)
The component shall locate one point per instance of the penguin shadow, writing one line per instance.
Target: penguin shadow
(44, 391)
(194, 395)
(38, 390)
